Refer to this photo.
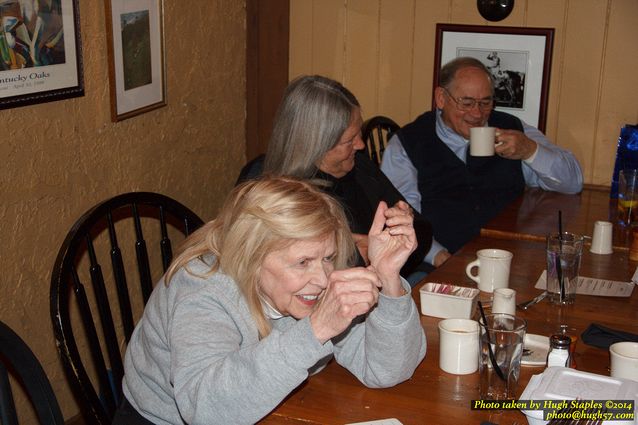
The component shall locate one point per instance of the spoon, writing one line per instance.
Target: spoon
(536, 299)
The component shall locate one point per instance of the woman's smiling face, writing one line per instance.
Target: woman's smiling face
(292, 279)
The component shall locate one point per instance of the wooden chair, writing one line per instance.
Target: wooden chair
(252, 169)
(376, 133)
(93, 359)
(17, 359)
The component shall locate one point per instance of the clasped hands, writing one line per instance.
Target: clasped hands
(353, 292)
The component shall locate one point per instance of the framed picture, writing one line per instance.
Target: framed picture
(519, 59)
(136, 56)
(40, 50)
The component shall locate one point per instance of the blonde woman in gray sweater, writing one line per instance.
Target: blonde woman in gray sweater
(260, 298)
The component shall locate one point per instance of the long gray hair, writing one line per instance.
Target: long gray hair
(312, 117)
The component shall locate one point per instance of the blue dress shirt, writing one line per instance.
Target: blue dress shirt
(550, 168)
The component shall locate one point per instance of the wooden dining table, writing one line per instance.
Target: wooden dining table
(432, 396)
(535, 214)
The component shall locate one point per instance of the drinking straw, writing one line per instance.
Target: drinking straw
(559, 267)
(497, 369)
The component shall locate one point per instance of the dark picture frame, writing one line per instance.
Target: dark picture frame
(136, 56)
(520, 60)
(40, 52)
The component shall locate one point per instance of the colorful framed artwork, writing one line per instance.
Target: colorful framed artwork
(40, 51)
(519, 59)
(136, 56)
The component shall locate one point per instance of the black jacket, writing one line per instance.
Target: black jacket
(359, 193)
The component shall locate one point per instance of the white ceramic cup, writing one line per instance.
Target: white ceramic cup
(494, 269)
(504, 301)
(482, 141)
(601, 239)
(458, 346)
(624, 360)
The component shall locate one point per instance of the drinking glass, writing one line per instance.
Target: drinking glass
(628, 196)
(563, 264)
(501, 347)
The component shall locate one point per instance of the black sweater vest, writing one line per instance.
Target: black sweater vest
(457, 198)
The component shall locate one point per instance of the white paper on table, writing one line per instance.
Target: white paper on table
(591, 286)
(391, 421)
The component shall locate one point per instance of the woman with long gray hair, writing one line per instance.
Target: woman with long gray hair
(263, 296)
(317, 135)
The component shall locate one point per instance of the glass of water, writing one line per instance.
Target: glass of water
(501, 348)
(563, 264)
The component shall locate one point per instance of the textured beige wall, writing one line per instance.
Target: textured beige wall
(383, 50)
(62, 157)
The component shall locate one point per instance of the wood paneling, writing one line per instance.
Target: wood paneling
(580, 78)
(267, 36)
(383, 51)
(427, 14)
(618, 101)
(395, 43)
(300, 42)
(362, 53)
(329, 36)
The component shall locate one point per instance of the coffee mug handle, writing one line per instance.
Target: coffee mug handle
(468, 270)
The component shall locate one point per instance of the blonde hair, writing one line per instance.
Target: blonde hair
(313, 115)
(258, 217)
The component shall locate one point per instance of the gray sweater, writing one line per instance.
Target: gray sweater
(195, 356)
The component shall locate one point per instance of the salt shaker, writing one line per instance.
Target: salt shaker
(558, 350)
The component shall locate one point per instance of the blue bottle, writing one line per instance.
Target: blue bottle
(626, 155)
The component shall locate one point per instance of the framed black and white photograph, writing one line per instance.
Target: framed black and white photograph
(519, 60)
(136, 56)
(40, 50)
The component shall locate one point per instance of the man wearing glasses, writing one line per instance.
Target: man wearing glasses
(428, 160)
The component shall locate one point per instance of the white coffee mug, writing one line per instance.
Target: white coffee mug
(624, 360)
(504, 301)
(458, 346)
(482, 140)
(601, 239)
(494, 269)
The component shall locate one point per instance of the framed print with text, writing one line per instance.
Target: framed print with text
(519, 59)
(136, 56)
(41, 52)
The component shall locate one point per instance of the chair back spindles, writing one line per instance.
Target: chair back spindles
(119, 276)
(124, 300)
(190, 226)
(101, 297)
(99, 395)
(105, 393)
(376, 132)
(108, 326)
(144, 269)
(143, 266)
(165, 243)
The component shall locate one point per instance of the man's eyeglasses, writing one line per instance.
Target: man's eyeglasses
(468, 103)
